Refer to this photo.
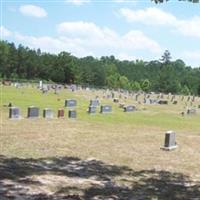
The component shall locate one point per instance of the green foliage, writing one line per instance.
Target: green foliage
(19, 63)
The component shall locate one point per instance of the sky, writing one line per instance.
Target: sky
(127, 29)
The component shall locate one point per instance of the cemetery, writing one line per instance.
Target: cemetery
(86, 130)
(100, 100)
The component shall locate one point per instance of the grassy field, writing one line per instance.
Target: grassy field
(101, 156)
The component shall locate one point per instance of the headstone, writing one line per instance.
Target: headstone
(191, 111)
(61, 113)
(70, 103)
(94, 102)
(47, 113)
(92, 109)
(72, 113)
(14, 113)
(33, 112)
(106, 109)
(116, 100)
(170, 140)
(129, 108)
(163, 102)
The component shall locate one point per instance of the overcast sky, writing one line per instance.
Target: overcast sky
(128, 30)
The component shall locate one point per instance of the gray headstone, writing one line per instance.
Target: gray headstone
(48, 113)
(92, 109)
(33, 112)
(70, 103)
(14, 113)
(129, 108)
(170, 140)
(191, 111)
(106, 109)
(94, 102)
(72, 114)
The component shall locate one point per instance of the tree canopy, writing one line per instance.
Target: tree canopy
(163, 75)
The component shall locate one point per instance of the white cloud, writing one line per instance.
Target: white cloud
(151, 16)
(86, 38)
(4, 32)
(157, 17)
(77, 2)
(33, 11)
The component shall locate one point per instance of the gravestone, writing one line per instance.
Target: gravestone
(129, 108)
(191, 111)
(106, 109)
(14, 113)
(61, 113)
(72, 114)
(33, 112)
(163, 102)
(92, 109)
(170, 140)
(47, 113)
(70, 103)
(116, 100)
(94, 102)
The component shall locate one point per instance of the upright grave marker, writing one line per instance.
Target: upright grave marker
(106, 109)
(47, 113)
(170, 141)
(33, 112)
(14, 113)
(61, 113)
(129, 108)
(70, 103)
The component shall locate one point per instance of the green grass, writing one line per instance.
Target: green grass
(165, 117)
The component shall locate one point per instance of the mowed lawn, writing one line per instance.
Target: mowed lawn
(122, 140)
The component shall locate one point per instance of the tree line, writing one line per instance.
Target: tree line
(163, 75)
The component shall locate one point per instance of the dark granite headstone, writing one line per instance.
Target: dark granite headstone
(72, 113)
(47, 113)
(163, 102)
(70, 103)
(33, 112)
(129, 108)
(106, 109)
(61, 113)
(14, 113)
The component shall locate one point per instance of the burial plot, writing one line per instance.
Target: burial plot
(106, 109)
(14, 113)
(33, 112)
(61, 113)
(70, 103)
(72, 114)
(129, 108)
(170, 141)
(92, 109)
(47, 113)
